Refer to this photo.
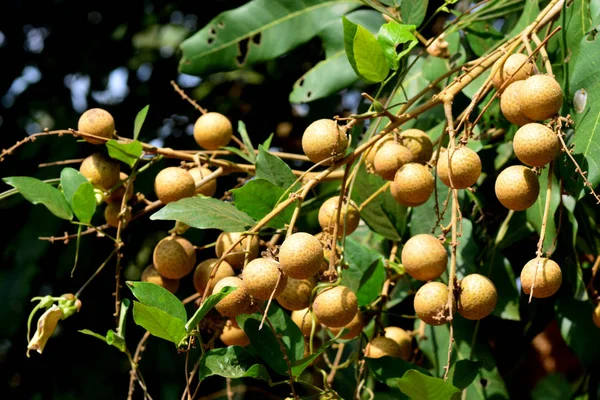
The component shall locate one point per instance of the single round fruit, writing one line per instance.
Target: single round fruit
(172, 184)
(596, 316)
(213, 130)
(117, 195)
(327, 214)
(465, 167)
(547, 279)
(477, 297)
(370, 154)
(236, 302)
(535, 144)
(237, 254)
(97, 122)
(101, 170)
(296, 293)
(171, 258)
(515, 68)
(424, 257)
(301, 255)
(419, 144)
(189, 248)
(262, 277)
(389, 158)
(412, 185)
(204, 270)
(355, 327)
(510, 104)
(111, 215)
(303, 319)
(233, 336)
(150, 274)
(334, 307)
(381, 346)
(517, 187)
(431, 303)
(210, 187)
(324, 139)
(402, 339)
(541, 97)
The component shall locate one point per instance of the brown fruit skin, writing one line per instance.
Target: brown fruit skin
(412, 185)
(237, 255)
(541, 97)
(419, 144)
(301, 255)
(261, 276)
(596, 316)
(466, 168)
(210, 187)
(430, 303)
(172, 184)
(213, 130)
(171, 259)
(510, 104)
(402, 339)
(296, 293)
(381, 346)
(324, 139)
(111, 215)
(547, 280)
(335, 307)
(150, 274)
(117, 195)
(477, 298)
(424, 257)
(303, 319)
(370, 154)
(203, 271)
(356, 326)
(517, 187)
(389, 158)
(535, 145)
(327, 214)
(97, 122)
(236, 302)
(511, 68)
(101, 170)
(189, 248)
(233, 336)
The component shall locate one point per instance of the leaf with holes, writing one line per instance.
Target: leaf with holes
(364, 53)
(38, 192)
(393, 34)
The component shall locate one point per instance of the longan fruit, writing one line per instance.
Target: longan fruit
(370, 154)
(117, 195)
(236, 302)
(324, 139)
(111, 214)
(477, 297)
(204, 270)
(189, 248)
(233, 336)
(517, 187)
(381, 346)
(237, 255)
(327, 214)
(596, 316)
(334, 307)
(101, 170)
(412, 185)
(171, 258)
(547, 280)
(541, 97)
(296, 293)
(261, 278)
(419, 144)
(150, 274)
(431, 303)
(389, 158)
(355, 326)
(97, 122)
(301, 255)
(512, 67)
(535, 144)
(210, 187)
(303, 319)
(172, 184)
(213, 130)
(510, 104)
(424, 257)
(465, 165)
(402, 339)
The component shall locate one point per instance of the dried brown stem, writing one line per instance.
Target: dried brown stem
(187, 98)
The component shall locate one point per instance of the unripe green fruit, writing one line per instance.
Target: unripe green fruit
(236, 302)
(517, 187)
(233, 335)
(324, 139)
(150, 274)
(515, 68)
(301, 255)
(465, 166)
(101, 170)
(204, 270)
(174, 257)
(262, 277)
(303, 319)
(477, 297)
(172, 184)
(541, 97)
(431, 303)
(402, 339)
(381, 346)
(296, 293)
(424, 257)
(535, 144)
(237, 255)
(355, 327)
(419, 144)
(510, 104)
(328, 212)
(547, 279)
(213, 130)
(198, 174)
(412, 185)
(334, 307)
(117, 195)
(97, 122)
(111, 215)
(389, 158)
(596, 316)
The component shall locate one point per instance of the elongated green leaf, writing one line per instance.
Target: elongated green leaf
(126, 152)
(535, 213)
(553, 387)
(299, 366)
(576, 326)
(247, 142)
(419, 386)
(413, 11)
(364, 53)
(258, 197)
(256, 32)
(423, 220)
(156, 296)
(38, 192)
(274, 169)
(139, 121)
(111, 338)
(463, 372)
(503, 276)
(387, 369)
(239, 152)
(205, 213)
(79, 194)
(70, 180)
(232, 362)
(528, 15)
(371, 283)
(208, 305)
(365, 269)
(159, 323)
(390, 36)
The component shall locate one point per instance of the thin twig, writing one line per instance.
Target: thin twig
(187, 98)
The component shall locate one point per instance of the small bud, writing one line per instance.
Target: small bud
(579, 100)
(45, 328)
(99, 195)
(439, 47)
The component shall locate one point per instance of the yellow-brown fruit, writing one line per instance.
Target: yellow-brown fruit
(541, 97)
(547, 279)
(204, 270)
(172, 184)
(237, 255)
(596, 316)
(355, 327)
(150, 274)
(303, 319)
(535, 144)
(334, 307)
(465, 166)
(381, 346)
(517, 187)
(510, 104)
(210, 187)
(327, 214)
(213, 130)
(389, 158)
(419, 144)
(296, 293)
(301, 255)
(233, 336)
(236, 302)
(117, 195)
(97, 122)
(402, 339)
(477, 297)
(512, 70)
(370, 154)
(111, 215)
(431, 303)
(189, 248)
(171, 258)
(262, 276)
(101, 170)
(424, 257)
(324, 139)
(412, 185)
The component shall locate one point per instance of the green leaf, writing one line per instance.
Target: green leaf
(388, 370)
(535, 213)
(413, 11)
(208, 305)
(299, 366)
(418, 386)
(390, 36)
(267, 143)
(423, 219)
(463, 372)
(503, 276)
(239, 153)
(365, 268)
(258, 197)
(364, 53)
(552, 387)
(371, 283)
(205, 213)
(256, 32)
(159, 323)
(38, 192)
(576, 326)
(139, 121)
(129, 152)
(156, 296)
(79, 194)
(111, 338)
(274, 169)
(528, 15)
(482, 36)
(467, 250)
(246, 139)
(231, 362)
